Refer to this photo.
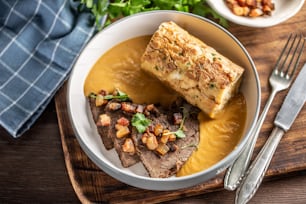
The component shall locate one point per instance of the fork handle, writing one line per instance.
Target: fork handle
(237, 170)
(258, 168)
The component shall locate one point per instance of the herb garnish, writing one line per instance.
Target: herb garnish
(119, 8)
(140, 122)
(180, 133)
(120, 95)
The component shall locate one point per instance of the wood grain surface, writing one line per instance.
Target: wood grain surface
(264, 45)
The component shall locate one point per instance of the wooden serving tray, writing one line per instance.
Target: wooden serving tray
(264, 45)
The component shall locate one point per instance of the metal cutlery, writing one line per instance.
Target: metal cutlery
(280, 79)
(292, 105)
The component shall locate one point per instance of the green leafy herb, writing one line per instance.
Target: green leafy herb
(119, 8)
(180, 133)
(140, 122)
(99, 8)
(92, 95)
(120, 95)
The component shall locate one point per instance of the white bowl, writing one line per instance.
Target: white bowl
(284, 9)
(145, 24)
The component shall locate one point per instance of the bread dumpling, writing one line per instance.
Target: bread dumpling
(204, 77)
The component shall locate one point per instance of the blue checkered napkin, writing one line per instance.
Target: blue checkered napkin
(39, 43)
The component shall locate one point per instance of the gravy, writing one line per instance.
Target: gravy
(120, 68)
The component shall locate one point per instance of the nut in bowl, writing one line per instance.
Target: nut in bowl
(281, 11)
(112, 62)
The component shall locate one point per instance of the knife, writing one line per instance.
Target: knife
(291, 107)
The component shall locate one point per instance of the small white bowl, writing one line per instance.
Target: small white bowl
(284, 9)
(146, 24)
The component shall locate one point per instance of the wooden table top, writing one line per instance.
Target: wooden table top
(32, 168)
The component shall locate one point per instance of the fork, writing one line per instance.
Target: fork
(279, 80)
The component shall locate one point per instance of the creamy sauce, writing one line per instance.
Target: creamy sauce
(120, 68)
(218, 137)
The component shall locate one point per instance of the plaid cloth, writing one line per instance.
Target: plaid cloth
(39, 43)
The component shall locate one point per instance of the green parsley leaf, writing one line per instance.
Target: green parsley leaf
(121, 96)
(180, 133)
(140, 122)
(92, 95)
(119, 8)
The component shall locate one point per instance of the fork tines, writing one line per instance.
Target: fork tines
(294, 44)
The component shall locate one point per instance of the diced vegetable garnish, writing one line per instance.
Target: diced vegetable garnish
(162, 149)
(104, 120)
(128, 146)
(152, 143)
(122, 131)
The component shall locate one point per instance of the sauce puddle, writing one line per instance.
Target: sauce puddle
(120, 68)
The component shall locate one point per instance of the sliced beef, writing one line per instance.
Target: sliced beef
(106, 117)
(102, 130)
(162, 166)
(108, 132)
(127, 159)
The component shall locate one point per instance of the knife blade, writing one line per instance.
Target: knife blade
(288, 112)
(293, 103)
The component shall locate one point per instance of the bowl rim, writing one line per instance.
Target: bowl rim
(172, 181)
(258, 22)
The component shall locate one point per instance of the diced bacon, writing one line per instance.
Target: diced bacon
(103, 92)
(123, 121)
(100, 100)
(128, 146)
(104, 120)
(151, 142)
(128, 107)
(162, 149)
(140, 109)
(122, 131)
(177, 118)
(158, 129)
(114, 106)
(150, 107)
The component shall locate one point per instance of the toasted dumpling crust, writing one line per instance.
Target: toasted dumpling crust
(204, 77)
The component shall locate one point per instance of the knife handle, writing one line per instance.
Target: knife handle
(258, 168)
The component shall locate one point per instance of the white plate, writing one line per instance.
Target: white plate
(140, 25)
(284, 9)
